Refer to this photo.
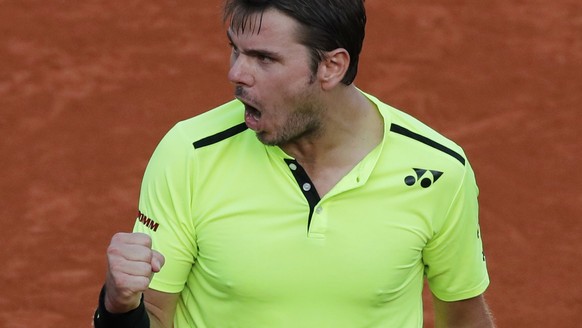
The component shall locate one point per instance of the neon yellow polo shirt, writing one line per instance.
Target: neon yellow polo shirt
(249, 243)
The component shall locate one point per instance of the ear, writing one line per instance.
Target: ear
(333, 67)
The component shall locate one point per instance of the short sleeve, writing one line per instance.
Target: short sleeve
(454, 260)
(165, 210)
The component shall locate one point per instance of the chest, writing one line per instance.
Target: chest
(265, 235)
(269, 242)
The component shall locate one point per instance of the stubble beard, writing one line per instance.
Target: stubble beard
(306, 120)
(303, 123)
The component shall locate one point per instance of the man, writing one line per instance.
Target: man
(303, 203)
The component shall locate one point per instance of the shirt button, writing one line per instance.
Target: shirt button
(293, 166)
(306, 186)
(318, 209)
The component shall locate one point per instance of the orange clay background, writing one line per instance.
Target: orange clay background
(88, 88)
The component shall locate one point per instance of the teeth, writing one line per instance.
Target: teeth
(253, 112)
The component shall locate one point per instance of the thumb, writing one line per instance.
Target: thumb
(158, 261)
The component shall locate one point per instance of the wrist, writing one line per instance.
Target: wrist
(112, 304)
(136, 317)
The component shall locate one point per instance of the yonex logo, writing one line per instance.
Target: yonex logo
(425, 181)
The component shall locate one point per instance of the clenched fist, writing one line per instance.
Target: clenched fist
(131, 264)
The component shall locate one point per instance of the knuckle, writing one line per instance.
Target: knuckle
(118, 237)
(143, 239)
(114, 250)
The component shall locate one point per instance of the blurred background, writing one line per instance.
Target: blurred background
(88, 88)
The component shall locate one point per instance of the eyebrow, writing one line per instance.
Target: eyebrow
(253, 52)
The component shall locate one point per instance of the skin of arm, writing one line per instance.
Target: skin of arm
(469, 313)
(161, 308)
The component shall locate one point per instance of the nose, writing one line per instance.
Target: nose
(240, 71)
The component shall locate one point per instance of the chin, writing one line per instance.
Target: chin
(264, 139)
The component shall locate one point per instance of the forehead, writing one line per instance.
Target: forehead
(268, 26)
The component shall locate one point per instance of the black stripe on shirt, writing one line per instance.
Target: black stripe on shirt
(210, 140)
(405, 132)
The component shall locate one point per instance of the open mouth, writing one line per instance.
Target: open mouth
(252, 111)
(252, 117)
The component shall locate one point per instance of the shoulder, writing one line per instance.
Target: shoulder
(418, 138)
(424, 137)
(212, 126)
(180, 143)
(420, 156)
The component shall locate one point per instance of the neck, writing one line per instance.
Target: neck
(351, 123)
(352, 127)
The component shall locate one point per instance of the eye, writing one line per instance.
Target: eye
(264, 59)
(234, 49)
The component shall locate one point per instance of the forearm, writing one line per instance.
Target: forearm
(473, 322)
(155, 322)
(470, 313)
(158, 319)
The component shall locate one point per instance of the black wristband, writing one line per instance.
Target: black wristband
(136, 318)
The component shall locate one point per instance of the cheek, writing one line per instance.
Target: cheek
(287, 89)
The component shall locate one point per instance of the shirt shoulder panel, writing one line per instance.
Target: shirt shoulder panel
(428, 139)
(200, 128)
